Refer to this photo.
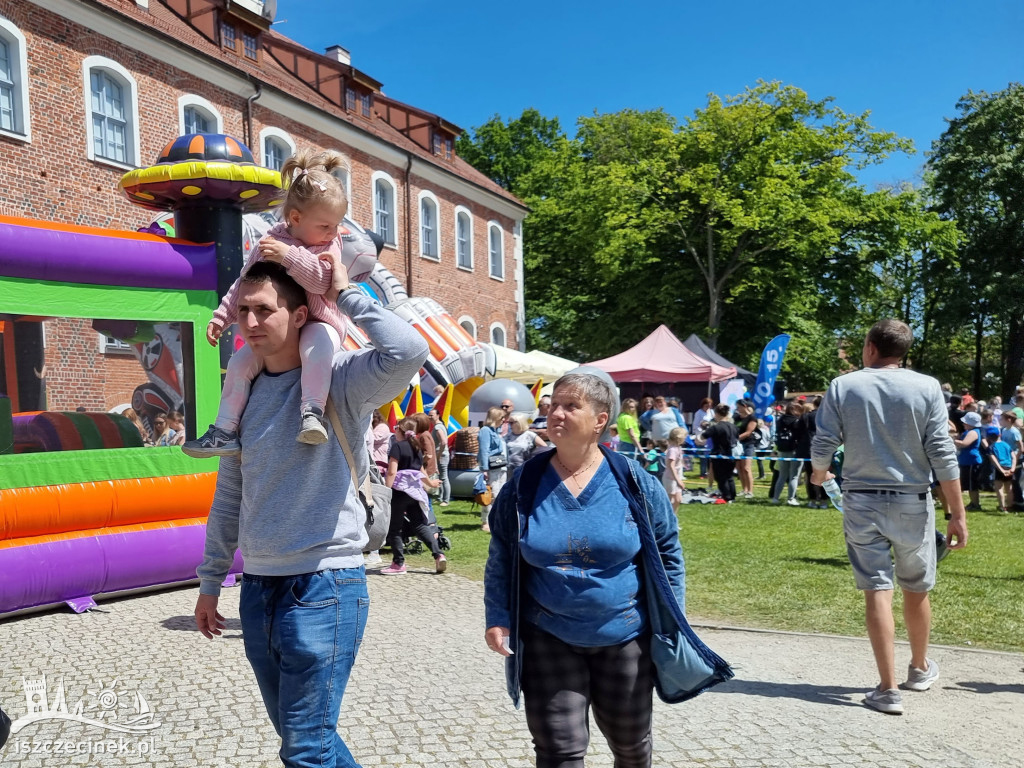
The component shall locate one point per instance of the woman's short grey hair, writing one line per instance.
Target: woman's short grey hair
(592, 389)
(521, 419)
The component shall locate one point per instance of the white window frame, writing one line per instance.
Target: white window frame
(504, 334)
(19, 65)
(467, 319)
(492, 226)
(395, 218)
(344, 177)
(110, 345)
(111, 67)
(435, 254)
(191, 100)
(274, 133)
(459, 211)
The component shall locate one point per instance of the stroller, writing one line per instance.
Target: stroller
(414, 546)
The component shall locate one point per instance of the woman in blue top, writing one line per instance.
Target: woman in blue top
(493, 457)
(572, 537)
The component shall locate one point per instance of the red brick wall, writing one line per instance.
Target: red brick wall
(52, 178)
(78, 374)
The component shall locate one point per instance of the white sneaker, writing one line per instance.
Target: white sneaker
(922, 679)
(793, 502)
(890, 702)
(373, 558)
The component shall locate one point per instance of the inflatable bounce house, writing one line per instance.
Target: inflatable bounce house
(93, 319)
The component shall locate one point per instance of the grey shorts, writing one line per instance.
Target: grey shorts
(881, 528)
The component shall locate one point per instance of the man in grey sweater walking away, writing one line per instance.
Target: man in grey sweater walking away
(293, 511)
(893, 424)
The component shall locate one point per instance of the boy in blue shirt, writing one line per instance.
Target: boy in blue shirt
(1004, 459)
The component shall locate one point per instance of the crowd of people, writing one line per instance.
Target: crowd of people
(729, 442)
(168, 427)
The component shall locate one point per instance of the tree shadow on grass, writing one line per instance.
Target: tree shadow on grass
(464, 526)
(816, 694)
(832, 562)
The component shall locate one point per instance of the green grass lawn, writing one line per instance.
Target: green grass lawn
(756, 565)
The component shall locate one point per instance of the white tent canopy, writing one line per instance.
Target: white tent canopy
(530, 366)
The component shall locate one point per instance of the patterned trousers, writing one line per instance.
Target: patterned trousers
(561, 682)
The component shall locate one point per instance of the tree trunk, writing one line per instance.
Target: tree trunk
(1014, 356)
(979, 337)
(714, 303)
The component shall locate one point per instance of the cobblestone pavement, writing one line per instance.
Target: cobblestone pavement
(427, 692)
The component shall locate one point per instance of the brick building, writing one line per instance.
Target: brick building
(92, 88)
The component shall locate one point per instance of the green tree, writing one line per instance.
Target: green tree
(977, 178)
(744, 221)
(767, 172)
(508, 153)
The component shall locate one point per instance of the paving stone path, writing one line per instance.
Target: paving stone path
(426, 692)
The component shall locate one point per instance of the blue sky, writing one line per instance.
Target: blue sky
(907, 61)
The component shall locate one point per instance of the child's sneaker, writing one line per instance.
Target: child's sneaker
(314, 428)
(393, 570)
(215, 442)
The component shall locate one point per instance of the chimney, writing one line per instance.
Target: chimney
(338, 53)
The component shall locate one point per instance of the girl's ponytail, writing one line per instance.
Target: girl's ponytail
(307, 177)
(407, 426)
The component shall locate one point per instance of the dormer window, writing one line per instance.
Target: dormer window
(250, 45)
(447, 149)
(358, 101)
(436, 144)
(228, 36)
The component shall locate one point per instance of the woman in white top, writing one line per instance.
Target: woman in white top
(521, 441)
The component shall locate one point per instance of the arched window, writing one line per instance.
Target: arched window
(498, 334)
(468, 324)
(496, 250)
(385, 212)
(14, 117)
(277, 146)
(429, 226)
(463, 238)
(197, 115)
(112, 106)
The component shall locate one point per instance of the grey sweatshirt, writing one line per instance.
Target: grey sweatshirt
(292, 508)
(893, 423)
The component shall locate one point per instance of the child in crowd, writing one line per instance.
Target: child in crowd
(1004, 460)
(306, 242)
(673, 480)
(613, 430)
(409, 481)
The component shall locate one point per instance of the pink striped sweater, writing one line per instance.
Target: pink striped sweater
(308, 270)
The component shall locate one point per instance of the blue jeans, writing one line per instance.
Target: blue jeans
(301, 636)
(627, 449)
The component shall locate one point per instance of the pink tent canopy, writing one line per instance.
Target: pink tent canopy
(662, 357)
